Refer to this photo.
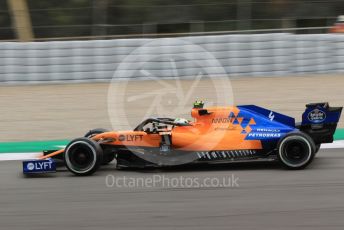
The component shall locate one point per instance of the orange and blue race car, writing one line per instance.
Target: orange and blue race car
(216, 135)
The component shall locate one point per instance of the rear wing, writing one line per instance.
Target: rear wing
(320, 121)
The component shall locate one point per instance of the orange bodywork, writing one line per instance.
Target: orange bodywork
(337, 28)
(211, 131)
(214, 131)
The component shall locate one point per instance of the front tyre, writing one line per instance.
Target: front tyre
(83, 156)
(296, 150)
(107, 157)
(94, 132)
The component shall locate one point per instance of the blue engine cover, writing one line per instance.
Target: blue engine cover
(39, 166)
(269, 126)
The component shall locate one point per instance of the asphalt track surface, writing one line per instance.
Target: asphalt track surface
(66, 111)
(268, 197)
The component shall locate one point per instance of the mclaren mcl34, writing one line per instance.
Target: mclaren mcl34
(215, 135)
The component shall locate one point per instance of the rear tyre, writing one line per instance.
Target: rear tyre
(83, 156)
(296, 150)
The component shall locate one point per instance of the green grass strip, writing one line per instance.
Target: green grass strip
(31, 146)
(339, 134)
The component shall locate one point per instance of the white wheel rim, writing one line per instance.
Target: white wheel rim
(69, 163)
(280, 152)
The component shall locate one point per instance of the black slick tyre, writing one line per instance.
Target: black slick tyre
(94, 132)
(296, 150)
(83, 156)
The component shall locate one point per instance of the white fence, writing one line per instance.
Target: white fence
(248, 55)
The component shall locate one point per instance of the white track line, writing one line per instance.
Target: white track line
(334, 145)
(18, 156)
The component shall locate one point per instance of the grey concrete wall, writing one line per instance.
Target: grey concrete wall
(249, 55)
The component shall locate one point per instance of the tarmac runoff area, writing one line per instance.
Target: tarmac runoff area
(66, 111)
(261, 196)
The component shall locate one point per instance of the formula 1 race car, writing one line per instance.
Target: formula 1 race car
(217, 135)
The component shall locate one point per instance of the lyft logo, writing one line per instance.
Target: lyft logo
(39, 165)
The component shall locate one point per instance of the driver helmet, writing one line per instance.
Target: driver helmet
(181, 121)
